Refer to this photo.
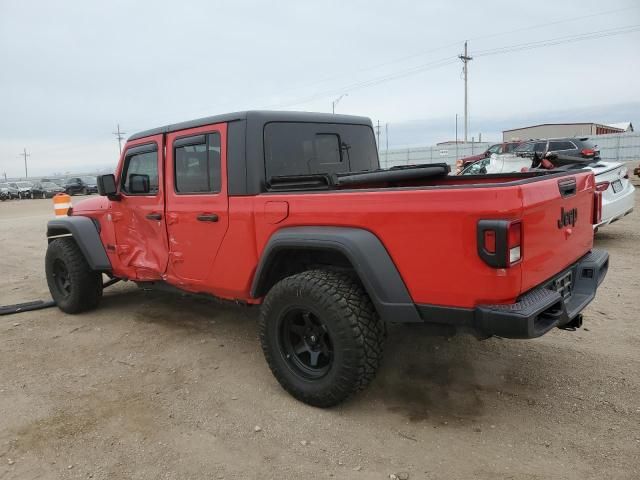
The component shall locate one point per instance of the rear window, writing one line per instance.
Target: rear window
(292, 148)
(561, 145)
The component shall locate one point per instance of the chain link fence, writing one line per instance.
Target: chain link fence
(616, 147)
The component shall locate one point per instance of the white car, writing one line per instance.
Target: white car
(612, 179)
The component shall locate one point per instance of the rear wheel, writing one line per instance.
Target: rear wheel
(85, 191)
(73, 285)
(321, 336)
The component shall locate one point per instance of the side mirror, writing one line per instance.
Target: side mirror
(139, 183)
(107, 185)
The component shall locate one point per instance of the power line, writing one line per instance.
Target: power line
(559, 40)
(453, 44)
(371, 82)
(449, 60)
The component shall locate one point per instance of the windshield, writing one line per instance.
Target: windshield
(24, 184)
(89, 180)
(477, 168)
(49, 185)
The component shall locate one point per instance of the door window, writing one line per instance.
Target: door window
(197, 164)
(143, 163)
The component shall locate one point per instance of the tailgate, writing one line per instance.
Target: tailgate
(557, 225)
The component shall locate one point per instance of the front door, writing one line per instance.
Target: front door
(197, 203)
(138, 217)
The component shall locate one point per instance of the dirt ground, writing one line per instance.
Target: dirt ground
(153, 386)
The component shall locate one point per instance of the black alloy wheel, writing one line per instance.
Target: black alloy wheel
(306, 343)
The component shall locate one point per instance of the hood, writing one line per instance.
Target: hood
(92, 204)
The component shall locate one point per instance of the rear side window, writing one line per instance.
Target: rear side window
(292, 148)
(143, 163)
(540, 147)
(561, 145)
(197, 164)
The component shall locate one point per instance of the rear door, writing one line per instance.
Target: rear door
(138, 218)
(557, 225)
(197, 202)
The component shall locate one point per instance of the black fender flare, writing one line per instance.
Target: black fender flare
(367, 254)
(85, 233)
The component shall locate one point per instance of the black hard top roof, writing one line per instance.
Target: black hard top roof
(263, 116)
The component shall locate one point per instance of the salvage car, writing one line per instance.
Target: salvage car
(497, 149)
(567, 147)
(23, 187)
(45, 189)
(91, 183)
(13, 191)
(76, 186)
(291, 211)
(612, 179)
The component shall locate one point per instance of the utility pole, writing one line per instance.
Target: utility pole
(120, 136)
(386, 136)
(378, 134)
(456, 129)
(25, 155)
(465, 60)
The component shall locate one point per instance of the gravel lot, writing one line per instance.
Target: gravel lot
(156, 386)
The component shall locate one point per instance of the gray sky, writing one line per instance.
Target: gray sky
(71, 70)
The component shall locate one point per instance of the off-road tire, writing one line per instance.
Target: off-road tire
(84, 285)
(357, 334)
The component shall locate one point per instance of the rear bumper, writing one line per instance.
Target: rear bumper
(535, 312)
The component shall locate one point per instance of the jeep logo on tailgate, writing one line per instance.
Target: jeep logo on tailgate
(568, 217)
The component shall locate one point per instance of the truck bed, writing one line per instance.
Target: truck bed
(429, 229)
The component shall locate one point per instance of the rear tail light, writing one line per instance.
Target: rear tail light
(588, 152)
(597, 207)
(500, 242)
(515, 242)
(602, 186)
(624, 173)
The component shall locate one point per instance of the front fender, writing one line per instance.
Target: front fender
(86, 235)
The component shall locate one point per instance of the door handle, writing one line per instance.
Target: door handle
(207, 217)
(154, 216)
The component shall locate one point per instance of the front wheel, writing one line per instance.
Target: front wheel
(321, 336)
(73, 285)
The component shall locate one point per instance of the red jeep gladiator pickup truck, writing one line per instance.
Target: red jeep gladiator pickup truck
(290, 211)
